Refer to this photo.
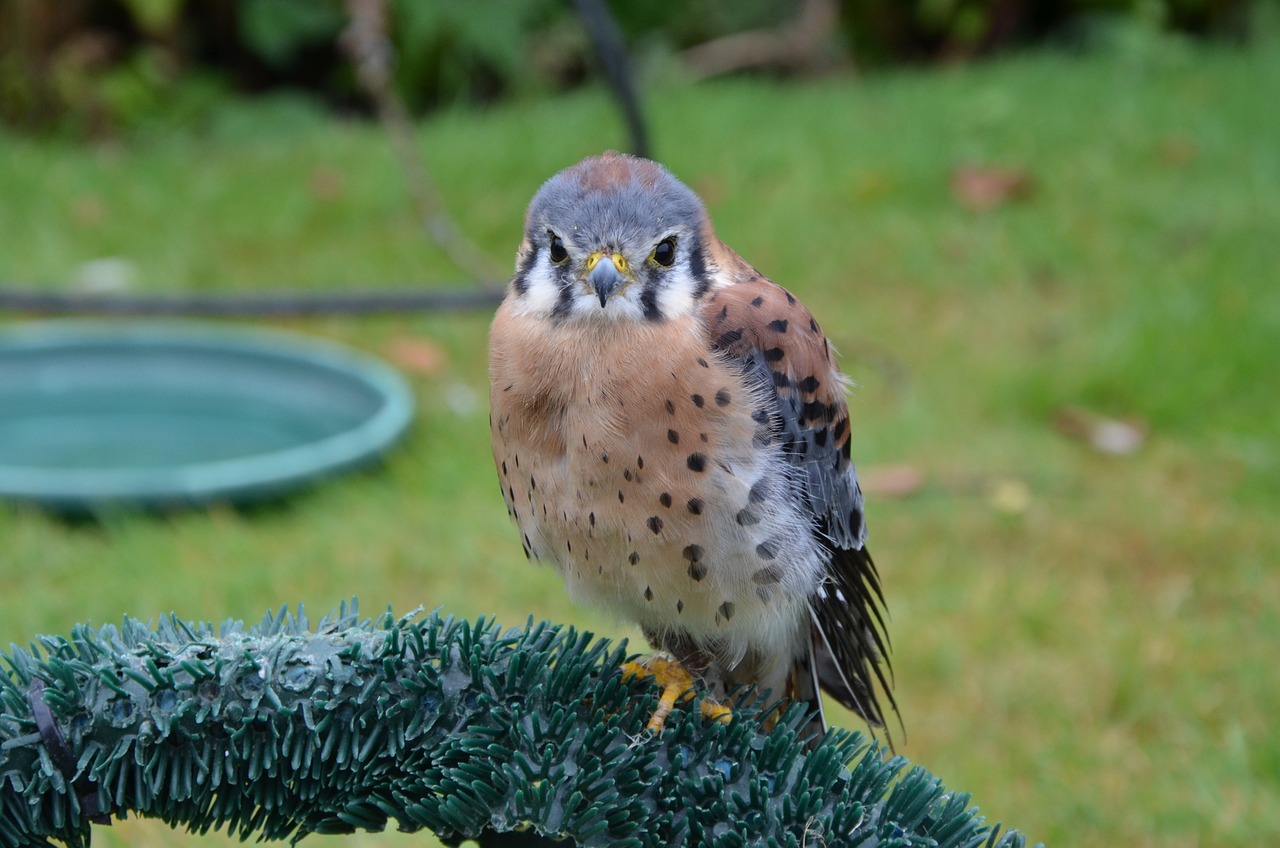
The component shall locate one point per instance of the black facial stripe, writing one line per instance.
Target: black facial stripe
(520, 282)
(698, 269)
(564, 303)
(649, 300)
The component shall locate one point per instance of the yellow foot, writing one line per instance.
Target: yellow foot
(677, 685)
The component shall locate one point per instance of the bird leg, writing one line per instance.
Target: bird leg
(676, 683)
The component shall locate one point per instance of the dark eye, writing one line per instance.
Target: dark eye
(558, 252)
(665, 253)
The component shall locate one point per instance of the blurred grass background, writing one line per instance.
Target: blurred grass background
(1087, 643)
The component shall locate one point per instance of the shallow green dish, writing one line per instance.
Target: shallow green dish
(96, 415)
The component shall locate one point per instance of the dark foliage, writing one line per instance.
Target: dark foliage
(99, 66)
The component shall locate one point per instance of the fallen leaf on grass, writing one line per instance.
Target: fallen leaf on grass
(107, 275)
(1178, 151)
(981, 188)
(327, 183)
(1113, 436)
(88, 209)
(1010, 496)
(418, 356)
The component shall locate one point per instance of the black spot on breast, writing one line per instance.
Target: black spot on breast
(648, 593)
(726, 610)
(774, 354)
(679, 606)
(621, 497)
(766, 550)
(591, 519)
(665, 499)
(671, 408)
(703, 362)
(697, 462)
(813, 325)
(511, 494)
(723, 397)
(791, 299)
(722, 314)
(760, 416)
(604, 457)
(695, 506)
(747, 517)
(778, 325)
(693, 553)
(640, 462)
(820, 437)
(757, 301)
(504, 468)
(702, 437)
(626, 474)
(568, 545)
(759, 491)
(633, 558)
(673, 437)
(533, 482)
(781, 380)
(809, 384)
(697, 400)
(841, 426)
(697, 571)
(767, 575)
(655, 524)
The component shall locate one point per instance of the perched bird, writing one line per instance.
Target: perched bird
(671, 433)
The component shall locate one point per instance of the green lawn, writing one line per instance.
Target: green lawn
(1088, 644)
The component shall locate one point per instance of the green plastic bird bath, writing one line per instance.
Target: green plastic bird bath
(99, 415)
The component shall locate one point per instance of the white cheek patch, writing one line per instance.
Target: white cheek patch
(675, 296)
(542, 291)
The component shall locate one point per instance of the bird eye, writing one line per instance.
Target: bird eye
(665, 252)
(558, 251)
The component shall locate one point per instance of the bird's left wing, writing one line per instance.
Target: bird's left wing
(777, 342)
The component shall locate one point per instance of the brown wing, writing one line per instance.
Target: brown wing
(778, 343)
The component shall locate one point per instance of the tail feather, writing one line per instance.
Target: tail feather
(850, 647)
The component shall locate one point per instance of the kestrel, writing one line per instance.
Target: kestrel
(671, 433)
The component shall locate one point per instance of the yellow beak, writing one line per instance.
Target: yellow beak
(606, 277)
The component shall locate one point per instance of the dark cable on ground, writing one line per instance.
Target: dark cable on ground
(268, 304)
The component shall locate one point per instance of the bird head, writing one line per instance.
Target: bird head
(613, 238)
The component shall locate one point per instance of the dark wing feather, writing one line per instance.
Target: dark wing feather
(776, 339)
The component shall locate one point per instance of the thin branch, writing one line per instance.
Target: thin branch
(796, 46)
(367, 44)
